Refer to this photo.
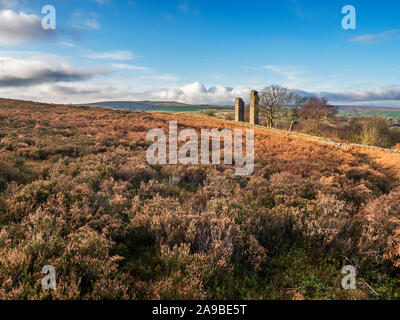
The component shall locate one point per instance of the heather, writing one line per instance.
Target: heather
(76, 193)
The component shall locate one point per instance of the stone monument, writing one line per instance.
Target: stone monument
(254, 109)
(239, 110)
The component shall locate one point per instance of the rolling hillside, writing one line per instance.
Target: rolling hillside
(388, 113)
(162, 106)
(77, 193)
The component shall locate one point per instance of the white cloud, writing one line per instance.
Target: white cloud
(93, 24)
(379, 94)
(41, 69)
(67, 44)
(122, 66)
(375, 37)
(52, 79)
(16, 28)
(115, 89)
(84, 20)
(295, 77)
(109, 55)
(8, 3)
(292, 73)
(198, 93)
(195, 93)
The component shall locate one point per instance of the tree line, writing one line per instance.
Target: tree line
(277, 102)
(283, 108)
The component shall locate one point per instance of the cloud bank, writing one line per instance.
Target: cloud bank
(41, 69)
(119, 55)
(16, 28)
(380, 94)
(197, 93)
(51, 78)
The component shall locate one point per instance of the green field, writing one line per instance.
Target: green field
(191, 109)
(158, 106)
(387, 113)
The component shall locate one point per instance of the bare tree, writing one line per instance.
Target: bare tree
(290, 116)
(315, 111)
(276, 101)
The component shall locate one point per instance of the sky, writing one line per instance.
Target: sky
(199, 51)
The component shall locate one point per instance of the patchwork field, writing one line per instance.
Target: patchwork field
(157, 106)
(77, 193)
(387, 113)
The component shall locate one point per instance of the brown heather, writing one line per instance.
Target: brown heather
(77, 193)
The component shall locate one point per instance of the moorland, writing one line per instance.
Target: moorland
(77, 193)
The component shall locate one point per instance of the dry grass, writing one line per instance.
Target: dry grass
(76, 192)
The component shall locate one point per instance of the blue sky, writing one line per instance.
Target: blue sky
(199, 51)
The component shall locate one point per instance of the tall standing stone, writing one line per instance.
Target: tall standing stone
(254, 101)
(239, 110)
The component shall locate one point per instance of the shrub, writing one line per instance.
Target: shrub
(210, 112)
(379, 236)
(117, 228)
(183, 276)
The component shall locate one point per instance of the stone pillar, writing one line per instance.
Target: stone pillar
(254, 100)
(239, 110)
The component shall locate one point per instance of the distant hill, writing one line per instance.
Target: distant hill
(178, 107)
(384, 112)
(153, 106)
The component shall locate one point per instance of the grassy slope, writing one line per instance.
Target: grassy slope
(89, 151)
(162, 106)
(387, 113)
